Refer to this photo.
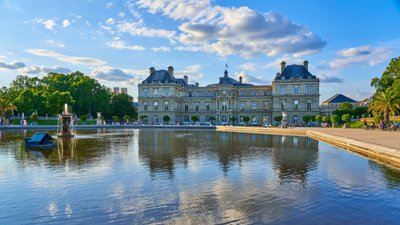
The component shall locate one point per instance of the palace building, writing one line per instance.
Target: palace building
(294, 91)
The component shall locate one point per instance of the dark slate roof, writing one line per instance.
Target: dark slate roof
(339, 98)
(158, 76)
(226, 80)
(295, 71)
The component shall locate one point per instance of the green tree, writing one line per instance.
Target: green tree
(212, 119)
(345, 106)
(346, 118)
(326, 119)
(233, 119)
(306, 118)
(278, 118)
(34, 117)
(384, 103)
(143, 118)
(166, 119)
(318, 118)
(83, 117)
(127, 118)
(6, 106)
(246, 120)
(115, 118)
(56, 101)
(390, 76)
(335, 119)
(122, 104)
(195, 118)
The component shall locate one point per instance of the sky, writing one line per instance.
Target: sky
(347, 43)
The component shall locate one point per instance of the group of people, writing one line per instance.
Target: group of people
(382, 125)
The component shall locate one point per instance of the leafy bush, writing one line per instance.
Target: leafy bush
(34, 117)
(83, 117)
(115, 118)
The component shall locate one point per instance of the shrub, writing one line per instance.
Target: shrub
(34, 117)
(195, 118)
(166, 119)
(306, 118)
(115, 118)
(378, 118)
(278, 118)
(246, 119)
(318, 118)
(334, 119)
(83, 117)
(346, 118)
(326, 119)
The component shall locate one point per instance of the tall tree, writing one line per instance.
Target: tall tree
(385, 103)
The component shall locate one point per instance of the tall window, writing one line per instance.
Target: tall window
(197, 106)
(296, 104)
(208, 108)
(145, 92)
(242, 106)
(224, 107)
(254, 93)
(283, 89)
(208, 118)
(166, 92)
(155, 92)
(309, 89)
(223, 119)
(166, 105)
(296, 89)
(254, 105)
(145, 106)
(308, 104)
(282, 106)
(186, 107)
(155, 105)
(266, 105)
(186, 118)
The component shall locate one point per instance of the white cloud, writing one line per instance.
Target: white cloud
(330, 79)
(161, 49)
(229, 30)
(67, 58)
(110, 21)
(111, 74)
(276, 64)
(247, 78)
(109, 4)
(137, 29)
(49, 24)
(119, 44)
(12, 65)
(66, 23)
(121, 14)
(55, 43)
(192, 71)
(361, 55)
(43, 70)
(248, 66)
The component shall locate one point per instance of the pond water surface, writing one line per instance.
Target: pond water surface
(191, 176)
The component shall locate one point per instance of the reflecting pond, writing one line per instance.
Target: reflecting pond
(191, 176)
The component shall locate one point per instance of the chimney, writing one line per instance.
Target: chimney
(283, 66)
(186, 79)
(240, 79)
(277, 75)
(305, 63)
(171, 70)
(197, 84)
(152, 70)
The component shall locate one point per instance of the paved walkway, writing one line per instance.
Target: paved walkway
(389, 139)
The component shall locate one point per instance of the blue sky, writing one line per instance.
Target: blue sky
(346, 42)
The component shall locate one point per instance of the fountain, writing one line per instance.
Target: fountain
(284, 120)
(65, 127)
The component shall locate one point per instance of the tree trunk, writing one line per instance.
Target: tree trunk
(387, 120)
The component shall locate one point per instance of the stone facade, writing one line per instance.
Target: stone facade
(334, 102)
(229, 100)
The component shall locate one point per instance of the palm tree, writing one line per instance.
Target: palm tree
(5, 106)
(385, 103)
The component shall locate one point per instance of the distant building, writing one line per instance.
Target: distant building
(116, 90)
(124, 91)
(294, 91)
(334, 102)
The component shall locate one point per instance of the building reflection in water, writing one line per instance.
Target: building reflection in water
(292, 157)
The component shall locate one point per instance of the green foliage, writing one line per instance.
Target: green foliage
(385, 103)
(212, 119)
(83, 117)
(246, 119)
(357, 124)
(346, 118)
(312, 118)
(143, 117)
(195, 118)
(233, 119)
(115, 118)
(345, 106)
(389, 78)
(127, 117)
(378, 118)
(334, 119)
(122, 104)
(318, 118)
(6, 106)
(34, 117)
(278, 118)
(326, 119)
(306, 118)
(166, 119)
